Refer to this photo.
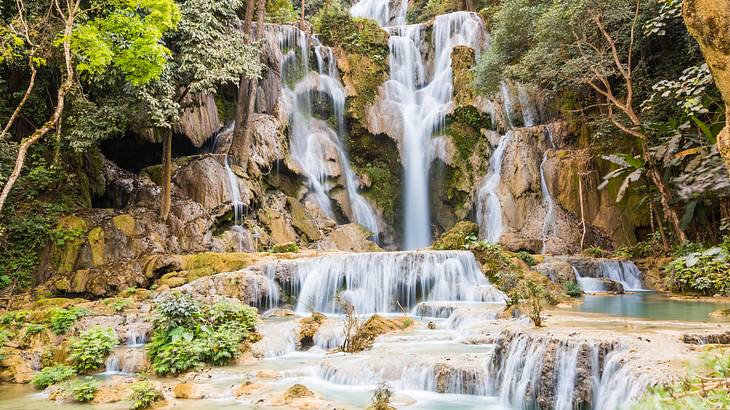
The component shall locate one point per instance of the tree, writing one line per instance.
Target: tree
(583, 43)
(709, 23)
(209, 50)
(106, 36)
(241, 144)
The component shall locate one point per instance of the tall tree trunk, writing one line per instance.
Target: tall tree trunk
(70, 16)
(243, 84)
(252, 88)
(709, 23)
(166, 174)
(302, 19)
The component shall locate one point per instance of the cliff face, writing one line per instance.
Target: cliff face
(709, 23)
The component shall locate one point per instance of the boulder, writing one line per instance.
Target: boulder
(187, 390)
(350, 238)
(557, 271)
(199, 119)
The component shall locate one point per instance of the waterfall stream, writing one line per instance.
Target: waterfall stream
(549, 225)
(589, 275)
(489, 209)
(315, 146)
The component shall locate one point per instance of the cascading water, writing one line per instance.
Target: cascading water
(313, 144)
(549, 225)
(489, 209)
(385, 282)
(379, 10)
(588, 275)
(423, 104)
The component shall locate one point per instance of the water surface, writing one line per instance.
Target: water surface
(648, 305)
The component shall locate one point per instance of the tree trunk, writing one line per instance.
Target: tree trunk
(241, 145)
(709, 23)
(166, 174)
(243, 85)
(303, 11)
(665, 196)
(70, 16)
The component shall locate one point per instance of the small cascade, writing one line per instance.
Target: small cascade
(618, 383)
(489, 209)
(112, 363)
(589, 272)
(379, 10)
(507, 104)
(424, 104)
(278, 338)
(136, 336)
(566, 375)
(529, 113)
(385, 282)
(314, 145)
(549, 225)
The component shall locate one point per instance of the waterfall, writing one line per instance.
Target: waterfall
(618, 383)
(589, 272)
(549, 225)
(314, 145)
(136, 336)
(111, 364)
(529, 113)
(567, 369)
(384, 282)
(489, 209)
(379, 11)
(424, 104)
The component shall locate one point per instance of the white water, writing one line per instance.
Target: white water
(379, 11)
(567, 369)
(489, 209)
(385, 281)
(624, 272)
(549, 225)
(423, 103)
(314, 145)
(529, 113)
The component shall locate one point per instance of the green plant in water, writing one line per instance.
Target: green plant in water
(60, 320)
(89, 351)
(51, 375)
(84, 391)
(572, 289)
(144, 395)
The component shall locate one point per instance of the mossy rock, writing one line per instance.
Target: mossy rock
(456, 237)
(96, 244)
(309, 327)
(375, 326)
(183, 269)
(288, 247)
(68, 239)
(125, 223)
(297, 391)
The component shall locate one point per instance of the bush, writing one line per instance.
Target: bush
(381, 397)
(32, 329)
(532, 298)
(89, 351)
(84, 391)
(177, 309)
(527, 258)
(572, 289)
(15, 318)
(52, 375)
(706, 272)
(118, 304)
(60, 320)
(493, 261)
(211, 335)
(144, 395)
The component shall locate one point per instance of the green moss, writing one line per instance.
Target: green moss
(458, 237)
(125, 223)
(68, 238)
(96, 243)
(285, 248)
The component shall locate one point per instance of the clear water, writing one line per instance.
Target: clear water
(648, 305)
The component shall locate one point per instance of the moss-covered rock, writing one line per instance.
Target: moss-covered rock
(125, 223)
(302, 221)
(288, 247)
(375, 326)
(181, 269)
(67, 240)
(458, 237)
(96, 244)
(308, 327)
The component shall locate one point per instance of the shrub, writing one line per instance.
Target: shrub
(532, 297)
(174, 352)
(706, 272)
(572, 289)
(91, 348)
(461, 236)
(233, 312)
(381, 397)
(118, 304)
(15, 318)
(143, 395)
(220, 346)
(84, 391)
(60, 320)
(493, 261)
(52, 375)
(177, 309)
(595, 251)
(527, 258)
(32, 329)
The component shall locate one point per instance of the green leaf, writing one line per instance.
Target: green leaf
(711, 137)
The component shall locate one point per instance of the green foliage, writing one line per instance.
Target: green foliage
(187, 335)
(706, 271)
(60, 320)
(285, 247)
(527, 258)
(51, 375)
(144, 395)
(595, 251)
(336, 26)
(531, 297)
(126, 36)
(14, 318)
(572, 289)
(702, 388)
(33, 329)
(381, 397)
(495, 263)
(118, 304)
(62, 236)
(84, 391)
(89, 351)
(280, 12)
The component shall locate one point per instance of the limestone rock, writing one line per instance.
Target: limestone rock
(199, 119)
(350, 238)
(195, 391)
(557, 271)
